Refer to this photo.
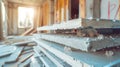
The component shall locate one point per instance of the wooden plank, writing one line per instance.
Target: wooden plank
(28, 51)
(14, 56)
(27, 32)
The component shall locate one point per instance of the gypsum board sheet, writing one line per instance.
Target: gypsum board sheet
(58, 64)
(45, 60)
(35, 62)
(25, 64)
(1, 46)
(14, 56)
(89, 58)
(55, 59)
(24, 57)
(3, 59)
(70, 60)
(27, 48)
(81, 43)
(23, 43)
(20, 60)
(7, 50)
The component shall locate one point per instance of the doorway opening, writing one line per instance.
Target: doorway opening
(74, 9)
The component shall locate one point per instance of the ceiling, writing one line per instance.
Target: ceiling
(35, 2)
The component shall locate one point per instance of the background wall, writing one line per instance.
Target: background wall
(13, 18)
(109, 9)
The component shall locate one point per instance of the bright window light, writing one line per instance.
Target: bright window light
(3, 12)
(25, 17)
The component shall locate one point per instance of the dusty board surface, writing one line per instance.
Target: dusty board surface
(91, 58)
(14, 56)
(20, 59)
(35, 62)
(25, 64)
(76, 23)
(53, 58)
(58, 64)
(6, 50)
(45, 60)
(82, 43)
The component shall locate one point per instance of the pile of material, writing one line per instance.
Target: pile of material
(17, 51)
(53, 54)
(16, 56)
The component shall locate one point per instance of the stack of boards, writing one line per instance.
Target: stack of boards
(16, 56)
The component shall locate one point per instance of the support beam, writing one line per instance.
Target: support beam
(82, 8)
(96, 8)
(51, 12)
(1, 25)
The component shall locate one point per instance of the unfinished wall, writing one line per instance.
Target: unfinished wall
(109, 9)
(13, 18)
(1, 28)
(61, 10)
(3, 19)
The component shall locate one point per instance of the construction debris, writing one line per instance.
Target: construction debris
(13, 56)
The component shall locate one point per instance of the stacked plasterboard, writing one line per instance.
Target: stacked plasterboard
(15, 56)
(57, 55)
(81, 43)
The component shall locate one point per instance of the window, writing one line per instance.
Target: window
(25, 17)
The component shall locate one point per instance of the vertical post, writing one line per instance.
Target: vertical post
(119, 10)
(82, 9)
(96, 8)
(51, 17)
(1, 25)
(55, 7)
(67, 10)
(62, 10)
